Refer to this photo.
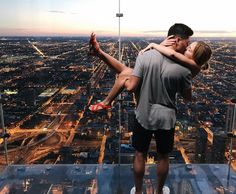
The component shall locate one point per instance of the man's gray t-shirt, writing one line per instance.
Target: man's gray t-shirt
(162, 79)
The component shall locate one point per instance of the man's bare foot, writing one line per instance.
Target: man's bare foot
(93, 45)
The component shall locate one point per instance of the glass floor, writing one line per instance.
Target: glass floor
(114, 179)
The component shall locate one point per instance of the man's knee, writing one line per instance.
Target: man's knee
(140, 155)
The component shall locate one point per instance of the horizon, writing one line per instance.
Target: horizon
(109, 36)
(80, 18)
(161, 34)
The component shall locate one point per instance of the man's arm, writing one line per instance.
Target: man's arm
(132, 83)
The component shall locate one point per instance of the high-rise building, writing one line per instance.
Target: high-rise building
(201, 146)
(88, 88)
(131, 117)
(218, 147)
(231, 118)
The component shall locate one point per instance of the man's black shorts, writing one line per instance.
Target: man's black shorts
(142, 138)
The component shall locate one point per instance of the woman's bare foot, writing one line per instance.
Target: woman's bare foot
(93, 45)
(99, 106)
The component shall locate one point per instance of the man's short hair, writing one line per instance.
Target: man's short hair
(181, 30)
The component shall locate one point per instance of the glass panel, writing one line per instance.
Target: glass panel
(106, 179)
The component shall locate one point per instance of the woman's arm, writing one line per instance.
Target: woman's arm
(146, 49)
(183, 60)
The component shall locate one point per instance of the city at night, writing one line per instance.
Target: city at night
(49, 83)
(51, 141)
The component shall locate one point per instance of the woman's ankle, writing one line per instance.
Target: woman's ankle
(106, 102)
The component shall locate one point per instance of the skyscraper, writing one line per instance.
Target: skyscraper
(218, 147)
(131, 117)
(201, 146)
(231, 118)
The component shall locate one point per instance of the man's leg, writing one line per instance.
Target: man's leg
(162, 171)
(165, 142)
(140, 141)
(139, 169)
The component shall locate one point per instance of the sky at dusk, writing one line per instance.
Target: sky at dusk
(141, 17)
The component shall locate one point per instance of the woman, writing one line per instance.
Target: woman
(195, 57)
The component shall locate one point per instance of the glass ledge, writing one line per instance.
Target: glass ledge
(109, 179)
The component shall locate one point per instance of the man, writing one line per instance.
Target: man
(159, 79)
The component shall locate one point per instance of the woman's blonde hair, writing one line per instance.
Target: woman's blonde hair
(201, 54)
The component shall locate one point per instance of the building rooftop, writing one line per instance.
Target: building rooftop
(109, 178)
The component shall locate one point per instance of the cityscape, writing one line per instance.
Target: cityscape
(48, 83)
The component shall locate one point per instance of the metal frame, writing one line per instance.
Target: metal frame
(231, 135)
(4, 134)
(119, 15)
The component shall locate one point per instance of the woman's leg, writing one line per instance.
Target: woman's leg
(118, 86)
(115, 91)
(123, 71)
(108, 59)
